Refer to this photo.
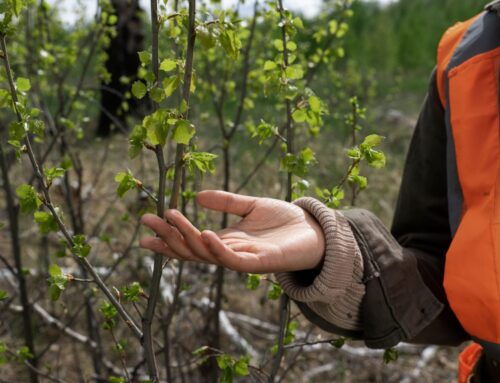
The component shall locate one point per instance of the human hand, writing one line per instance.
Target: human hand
(272, 236)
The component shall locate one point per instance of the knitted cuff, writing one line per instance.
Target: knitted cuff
(337, 290)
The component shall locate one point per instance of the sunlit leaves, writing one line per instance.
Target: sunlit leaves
(139, 89)
(270, 65)
(294, 72)
(144, 57)
(202, 161)
(23, 84)
(126, 182)
(157, 126)
(170, 85)
(168, 65)
(298, 164)
(263, 131)
(374, 158)
(331, 198)
(183, 132)
(230, 42)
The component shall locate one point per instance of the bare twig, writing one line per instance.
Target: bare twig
(48, 203)
(13, 213)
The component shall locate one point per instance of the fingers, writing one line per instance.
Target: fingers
(158, 246)
(191, 235)
(227, 257)
(226, 202)
(178, 238)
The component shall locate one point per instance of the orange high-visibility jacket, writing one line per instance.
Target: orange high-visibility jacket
(468, 82)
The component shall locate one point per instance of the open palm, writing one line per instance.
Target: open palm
(272, 236)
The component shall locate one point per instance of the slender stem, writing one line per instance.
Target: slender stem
(48, 203)
(147, 320)
(13, 213)
(284, 300)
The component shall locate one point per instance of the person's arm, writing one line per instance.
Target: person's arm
(347, 273)
(403, 271)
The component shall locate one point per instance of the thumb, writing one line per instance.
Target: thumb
(226, 202)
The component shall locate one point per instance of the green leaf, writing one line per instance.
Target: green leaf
(136, 140)
(17, 131)
(291, 46)
(23, 84)
(55, 270)
(24, 353)
(52, 173)
(263, 131)
(269, 65)
(132, 292)
(80, 246)
(278, 44)
(168, 65)
(253, 281)
(157, 94)
(116, 379)
(390, 355)
(126, 182)
(3, 353)
(333, 26)
(231, 43)
(183, 132)
(202, 161)
(144, 57)
(224, 361)
(3, 295)
(299, 115)
(157, 127)
(29, 200)
(274, 292)
(36, 127)
(371, 141)
(170, 84)
(58, 282)
(139, 89)
(294, 72)
(46, 222)
(17, 6)
(109, 312)
(315, 104)
(241, 367)
(376, 159)
(338, 343)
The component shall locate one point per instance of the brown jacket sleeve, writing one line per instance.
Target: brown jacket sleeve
(403, 269)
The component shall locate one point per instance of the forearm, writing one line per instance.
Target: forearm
(395, 294)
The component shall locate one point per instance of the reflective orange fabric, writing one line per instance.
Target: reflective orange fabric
(472, 267)
(467, 362)
(446, 47)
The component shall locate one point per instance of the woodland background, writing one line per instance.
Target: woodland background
(86, 103)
